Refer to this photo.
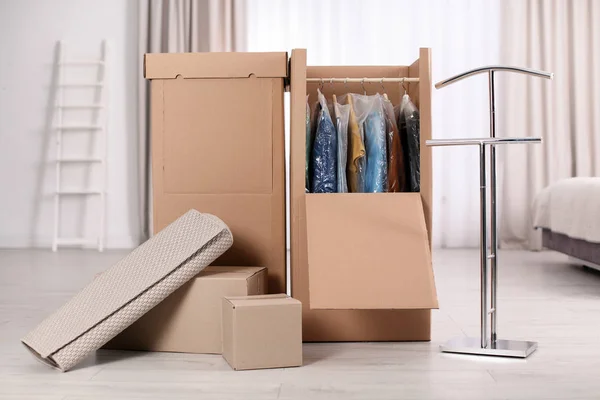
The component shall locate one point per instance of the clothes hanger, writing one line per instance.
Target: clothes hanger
(385, 96)
(362, 83)
(333, 90)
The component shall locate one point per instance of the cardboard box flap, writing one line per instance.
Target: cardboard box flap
(215, 65)
(261, 300)
(226, 272)
(368, 251)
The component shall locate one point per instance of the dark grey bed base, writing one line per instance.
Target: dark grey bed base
(579, 249)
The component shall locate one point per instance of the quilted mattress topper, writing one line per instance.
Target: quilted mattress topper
(129, 289)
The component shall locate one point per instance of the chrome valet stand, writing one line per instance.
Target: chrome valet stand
(488, 344)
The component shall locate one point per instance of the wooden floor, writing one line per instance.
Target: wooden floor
(542, 298)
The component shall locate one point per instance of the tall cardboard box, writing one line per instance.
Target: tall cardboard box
(361, 262)
(217, 128)
(189, 320)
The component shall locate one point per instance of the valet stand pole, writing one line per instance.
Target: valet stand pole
(488, 343)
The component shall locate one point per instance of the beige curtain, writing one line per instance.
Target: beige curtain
(563, 37)
(175, 26)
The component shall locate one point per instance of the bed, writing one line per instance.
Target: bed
(568, 213)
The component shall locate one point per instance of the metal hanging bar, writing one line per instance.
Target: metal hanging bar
(364, 80)
(493, 68)
(483, 255)
(480, 141)
(493, 215)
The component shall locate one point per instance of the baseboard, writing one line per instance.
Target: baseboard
(45, 242)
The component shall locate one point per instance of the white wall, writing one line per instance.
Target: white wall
(29, 30)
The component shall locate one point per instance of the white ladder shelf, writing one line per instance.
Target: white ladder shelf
(63, 128)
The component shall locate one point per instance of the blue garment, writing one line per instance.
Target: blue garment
(376, 147)
(324, 156)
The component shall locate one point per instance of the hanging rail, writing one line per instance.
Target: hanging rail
(363, 80)
(493, 68)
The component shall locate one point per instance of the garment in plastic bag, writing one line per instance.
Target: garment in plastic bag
(410, 133)
(341, 115)
(361, 106)
(395, 158)
(324, 152)
(355, 170)
(376, 180)
(314, 119)
(308, 147)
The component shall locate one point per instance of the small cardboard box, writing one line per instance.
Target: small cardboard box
(189, 320)
(262, 331)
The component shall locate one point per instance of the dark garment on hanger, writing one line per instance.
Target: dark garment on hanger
(324, 156)
(396, 177)
(409, 124)
(308, 148)
(313, 123)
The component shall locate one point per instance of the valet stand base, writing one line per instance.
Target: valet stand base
(500, 348)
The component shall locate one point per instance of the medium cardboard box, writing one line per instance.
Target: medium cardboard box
(262, 332)
(217, 128)
(189, 320)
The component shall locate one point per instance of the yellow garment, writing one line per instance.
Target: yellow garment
(356, 150)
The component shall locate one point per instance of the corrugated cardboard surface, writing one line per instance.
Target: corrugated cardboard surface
(189, 320)
(368, 251)
(262, 332)
(218, 146)
(357, 324)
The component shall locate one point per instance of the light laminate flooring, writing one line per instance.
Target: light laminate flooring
(541, 298)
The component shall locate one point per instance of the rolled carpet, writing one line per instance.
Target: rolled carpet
(129, 289)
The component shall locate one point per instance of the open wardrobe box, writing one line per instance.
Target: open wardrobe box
(360, 262)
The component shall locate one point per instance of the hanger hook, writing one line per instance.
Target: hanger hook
(332, 85)
(322, 84)
(382, 87)
(362, 83)
(346, 83)
(404, 86)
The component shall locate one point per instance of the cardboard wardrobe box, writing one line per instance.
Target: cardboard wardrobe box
(361, 262)
(189, 320)
(262, 332)
(217, 139)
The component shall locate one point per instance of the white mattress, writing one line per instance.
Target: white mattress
(570, 207)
